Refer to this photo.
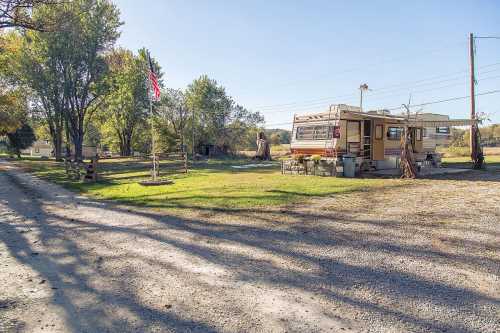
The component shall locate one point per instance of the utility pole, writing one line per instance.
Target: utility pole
(362, 88)
(473, 138)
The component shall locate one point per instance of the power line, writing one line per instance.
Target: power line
(317, 100)
(486, 37)
(419, 105)
(449, 99)
(379, 96)
(356, 68)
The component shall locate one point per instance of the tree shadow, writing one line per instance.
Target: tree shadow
(71, 269)
(254, 254)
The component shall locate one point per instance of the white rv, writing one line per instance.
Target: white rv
(373, 138)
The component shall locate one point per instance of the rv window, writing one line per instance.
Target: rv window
(394, 133)
(317, 132)
(443, 130)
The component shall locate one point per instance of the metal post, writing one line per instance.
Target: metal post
(152, 130)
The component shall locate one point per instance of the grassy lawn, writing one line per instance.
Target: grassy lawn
(464, 162)
(211, 185)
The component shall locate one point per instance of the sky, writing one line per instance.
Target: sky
(291, 57)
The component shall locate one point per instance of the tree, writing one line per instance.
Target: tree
(127, 101)
(12, 110)
(211, 107)
(35, 67)
(22, 138)
(13, 101)
(67, 67)
(17, 14)
(243, 127)
(173, 117)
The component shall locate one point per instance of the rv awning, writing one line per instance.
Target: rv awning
(370, 115)
(440, 123)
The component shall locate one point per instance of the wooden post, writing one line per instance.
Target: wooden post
(185, 162)
(474, 142)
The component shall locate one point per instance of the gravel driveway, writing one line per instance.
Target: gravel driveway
(420, 257)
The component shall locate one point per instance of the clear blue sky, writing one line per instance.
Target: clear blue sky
(286, 57)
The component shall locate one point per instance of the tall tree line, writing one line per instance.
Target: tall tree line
(80, 88)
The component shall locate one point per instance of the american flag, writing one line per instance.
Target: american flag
(153, 80)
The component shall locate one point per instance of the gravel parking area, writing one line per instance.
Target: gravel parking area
(423, 256)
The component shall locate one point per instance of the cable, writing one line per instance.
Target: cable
(380, 96)
(421, 104)
(317, 100)
(353, 69)
(448, 100)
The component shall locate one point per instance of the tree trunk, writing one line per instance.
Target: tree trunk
(78, 142)
(128, 150)
(57, 142)
(407, 163)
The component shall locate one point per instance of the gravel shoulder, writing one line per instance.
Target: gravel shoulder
(424, 257)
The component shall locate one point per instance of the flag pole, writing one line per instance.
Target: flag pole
(153, 152)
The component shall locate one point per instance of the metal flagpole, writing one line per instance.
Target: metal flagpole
(153, 153)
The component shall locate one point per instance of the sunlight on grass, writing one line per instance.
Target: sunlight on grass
(210, 185)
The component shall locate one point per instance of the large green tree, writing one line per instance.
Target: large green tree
(215, 117)
(211, 108)
(67, 67)
(126, 103)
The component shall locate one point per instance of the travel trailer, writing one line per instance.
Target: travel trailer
(373, 138)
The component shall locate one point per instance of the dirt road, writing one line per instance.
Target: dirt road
(418, 258)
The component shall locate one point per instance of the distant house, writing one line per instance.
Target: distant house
(87, 151)
(43, 148)
(40, 148)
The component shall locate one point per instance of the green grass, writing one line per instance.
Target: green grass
(209, 185)
(465, 162)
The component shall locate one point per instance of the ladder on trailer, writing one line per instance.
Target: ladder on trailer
(330, 150)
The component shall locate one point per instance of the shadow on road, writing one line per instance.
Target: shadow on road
(323, 254)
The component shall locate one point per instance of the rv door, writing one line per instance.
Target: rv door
(378, 134)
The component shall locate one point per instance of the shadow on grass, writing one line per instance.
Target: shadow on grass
(388, 293)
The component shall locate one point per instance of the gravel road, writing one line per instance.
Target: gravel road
(420, 257)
